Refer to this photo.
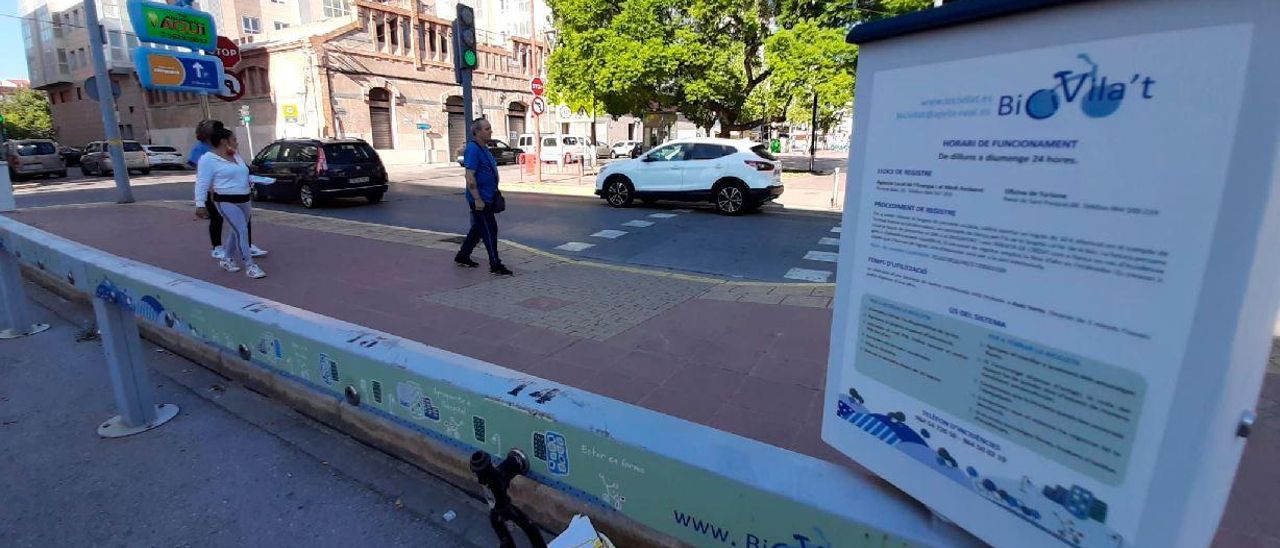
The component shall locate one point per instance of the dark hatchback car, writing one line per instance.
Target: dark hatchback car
(502, 152)
(314, 170)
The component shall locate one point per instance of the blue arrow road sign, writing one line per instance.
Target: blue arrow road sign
(178, 71)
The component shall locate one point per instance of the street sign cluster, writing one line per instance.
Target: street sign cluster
(539, 105)
(167, 70)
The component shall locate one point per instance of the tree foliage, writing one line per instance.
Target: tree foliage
(735, 62)
(26, 115)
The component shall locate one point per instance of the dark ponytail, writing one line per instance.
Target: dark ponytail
(220, 135)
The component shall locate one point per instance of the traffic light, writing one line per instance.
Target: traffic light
(464, 39)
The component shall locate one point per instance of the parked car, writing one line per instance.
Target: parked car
(97, 158)
(164, 156)
(315, 170)
(32, 157)
(735, 176)
(502, 152)
(555, 146)
(625, 149)
(600, 148)
(70, 155)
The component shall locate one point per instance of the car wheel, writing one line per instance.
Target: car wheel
(374, 197)
(146, 171)
(731, 198)
(613, 155)
(619, 192)
(307, 195)
(13, 176)
(62, 173)
(255, 195)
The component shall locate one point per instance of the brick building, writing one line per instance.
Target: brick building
(354, 68)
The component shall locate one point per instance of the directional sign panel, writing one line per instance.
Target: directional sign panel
(178, 71)
(172, 25)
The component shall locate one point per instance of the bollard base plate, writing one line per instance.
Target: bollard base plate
(115, 427)
(14, 333)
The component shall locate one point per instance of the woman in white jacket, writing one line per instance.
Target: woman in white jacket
(225, 173)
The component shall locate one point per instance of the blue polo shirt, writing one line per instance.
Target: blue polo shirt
(478, 159)
(193, 159)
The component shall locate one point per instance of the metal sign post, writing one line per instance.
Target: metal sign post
(248, 129)
(426, 153)
(107, 106)
(130, 383)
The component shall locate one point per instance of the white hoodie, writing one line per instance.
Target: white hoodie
(226, 177)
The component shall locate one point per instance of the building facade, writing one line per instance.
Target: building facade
(377, 70)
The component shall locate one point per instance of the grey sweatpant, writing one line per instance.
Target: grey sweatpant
(236, 239)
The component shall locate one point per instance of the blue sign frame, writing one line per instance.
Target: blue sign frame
(200, 73)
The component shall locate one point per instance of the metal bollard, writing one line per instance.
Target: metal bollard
(134, 394)
(835, 187)
(17, 320)
(6, 189)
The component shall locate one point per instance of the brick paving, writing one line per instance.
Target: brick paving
(748, 358)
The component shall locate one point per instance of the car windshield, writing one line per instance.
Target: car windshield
(130, 146)
(36, 149)
(162, 148)
(348, 153)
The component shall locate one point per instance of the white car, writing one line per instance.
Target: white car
(162, 156)
(625, 149)
(734, 175)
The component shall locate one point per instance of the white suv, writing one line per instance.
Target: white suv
(734, 175)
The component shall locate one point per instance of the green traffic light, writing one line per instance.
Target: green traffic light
(469, 58)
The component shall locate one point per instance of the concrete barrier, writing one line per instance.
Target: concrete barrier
(645, 478)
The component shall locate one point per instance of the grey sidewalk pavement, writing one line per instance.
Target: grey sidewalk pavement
(233, 469)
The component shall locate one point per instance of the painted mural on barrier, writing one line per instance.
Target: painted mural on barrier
(394, 379)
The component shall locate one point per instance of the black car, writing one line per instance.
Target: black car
(502, 152)
(314, 170)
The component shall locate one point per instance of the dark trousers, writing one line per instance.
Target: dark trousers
(484, 227)
(215, 224)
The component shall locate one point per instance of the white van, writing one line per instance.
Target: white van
(556, 145)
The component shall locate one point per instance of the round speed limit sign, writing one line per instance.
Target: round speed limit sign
(232, 89)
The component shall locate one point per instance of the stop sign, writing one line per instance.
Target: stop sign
(537, 86)
(228, 52)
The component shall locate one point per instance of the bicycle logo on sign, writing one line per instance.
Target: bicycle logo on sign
(1098, 97)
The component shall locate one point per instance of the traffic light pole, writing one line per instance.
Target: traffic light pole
(107, 102)
(466, 100)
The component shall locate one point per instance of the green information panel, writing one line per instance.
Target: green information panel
(175, 26)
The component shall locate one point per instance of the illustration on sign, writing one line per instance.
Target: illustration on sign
(172, 25)
(232, 89)
(289, 112)
(178, 71)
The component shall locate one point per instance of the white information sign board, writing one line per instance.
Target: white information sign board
(1029, 233)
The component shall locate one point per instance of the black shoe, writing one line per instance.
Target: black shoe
(501, 271)
(465, 261)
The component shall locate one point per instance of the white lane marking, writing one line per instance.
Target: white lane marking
(638, 223)
(836, 230)
(610, 234)
(807, 275)
(824, 256)
(663, 215)
(574, 246)
(829, 241)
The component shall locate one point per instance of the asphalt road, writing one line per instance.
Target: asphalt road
(764, 246)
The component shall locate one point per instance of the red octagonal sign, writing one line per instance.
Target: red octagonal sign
(228, 52)
(537, 87)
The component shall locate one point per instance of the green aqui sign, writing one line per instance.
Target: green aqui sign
(172, 25)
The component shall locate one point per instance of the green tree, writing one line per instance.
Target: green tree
(26, 115)
(844, 14)
(808, 59)
(703, 58)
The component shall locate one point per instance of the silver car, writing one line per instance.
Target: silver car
(33, 157)
(97, 158)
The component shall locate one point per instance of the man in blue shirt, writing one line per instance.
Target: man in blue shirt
(482, 195)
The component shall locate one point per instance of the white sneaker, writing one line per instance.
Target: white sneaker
(229, 265)
(254, 271)
(255, 251)
(219, 253)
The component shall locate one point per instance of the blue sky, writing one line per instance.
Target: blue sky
(13, 64)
